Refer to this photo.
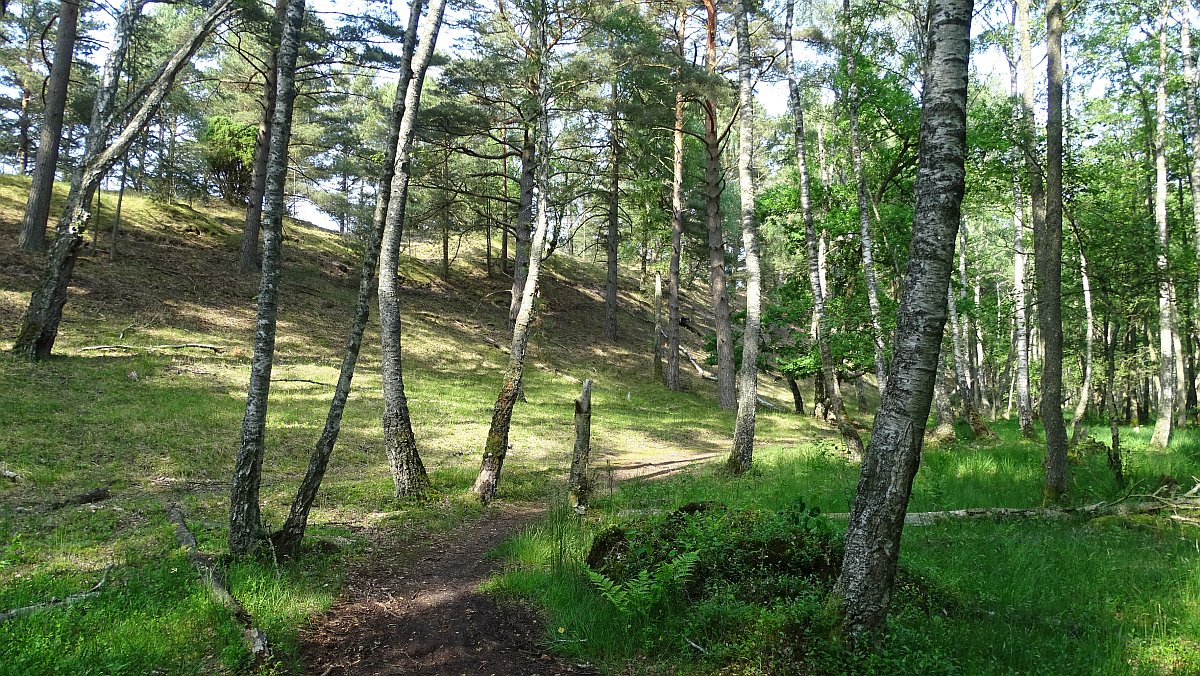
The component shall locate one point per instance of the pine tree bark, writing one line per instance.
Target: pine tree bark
(741, 456)
(522, 233)
(399, 441)
(37, 208)
(672, 380)
(713, 187)
(885, 482)
(245, 525)
(496, 447)
(1047, 264)
(614, 216)
(258, 172)
(832, 401)
(39, 326)
(287, 541)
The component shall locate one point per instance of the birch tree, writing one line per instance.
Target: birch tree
(885, 482)
(245, 524)
(742, 454)
(399, 441)
(1166, 340)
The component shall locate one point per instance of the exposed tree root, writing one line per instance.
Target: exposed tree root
(255, 638)
(14, 613)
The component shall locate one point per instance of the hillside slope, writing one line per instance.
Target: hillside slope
(158, 425)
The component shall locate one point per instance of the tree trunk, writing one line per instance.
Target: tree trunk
(1110, 351)
(1048, 264)
(658, 329)
(1085, 390)
(797, 397)
(37, 208)
(832, 400)
(1166, 332)
(1037, 197)
(258, 172)
(877, 519)
(713, 187)
(39, 326)
(522, 233)
(577, 497)
(399, 442)
(245, 527)
(614, 233)
(864, 205)
(287, 540)
(673, 382)
(741, 455)
(496, 447)
(116, 226)
(1193, 125)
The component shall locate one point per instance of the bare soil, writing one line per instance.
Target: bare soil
(414, 607)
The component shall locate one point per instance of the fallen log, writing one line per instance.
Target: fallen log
(94, 495)
(66, 600)
(214, 579)
(1052, 513)
(135, 348)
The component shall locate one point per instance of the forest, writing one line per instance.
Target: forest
(639, 337)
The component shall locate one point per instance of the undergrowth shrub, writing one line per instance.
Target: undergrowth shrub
(753, 585)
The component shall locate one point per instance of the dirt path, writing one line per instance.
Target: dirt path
(415, 608)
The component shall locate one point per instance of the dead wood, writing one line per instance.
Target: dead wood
(14, 613)
(135, 348)
(255, 638)
(94, 495)
(11, 476)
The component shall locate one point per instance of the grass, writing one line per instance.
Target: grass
(1113, 596)
(160, 426)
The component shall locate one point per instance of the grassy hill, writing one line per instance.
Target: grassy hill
(158, 425)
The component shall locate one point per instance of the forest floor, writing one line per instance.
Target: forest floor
(414, 605)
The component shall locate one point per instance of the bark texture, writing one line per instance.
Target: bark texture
(245, 526)
(1038, 213)
(249, 260)
(885, 482)
(37, 208)
(741, 456)
(713, 187)
(1048, 265)
(399, 442)
(578, 483)
(672, 379)
(613, 235)
(1166, 341)
(496, 447)
(288, 539)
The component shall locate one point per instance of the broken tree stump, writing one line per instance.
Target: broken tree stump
(578, 486)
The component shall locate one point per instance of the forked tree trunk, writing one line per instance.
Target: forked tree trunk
(1048, 265)
(39, 326)
(287, 541)
(577, 497)
(885, 482)
(832, 401)
(496, 447)
(399, 442)
(37, 208)
(741, 456)
(713, 187)
(258, 167)
(245, 527)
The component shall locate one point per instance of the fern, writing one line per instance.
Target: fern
(641, 594)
